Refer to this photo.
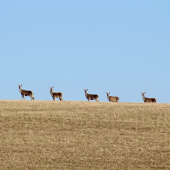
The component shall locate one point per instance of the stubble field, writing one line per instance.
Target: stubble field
(84, 135)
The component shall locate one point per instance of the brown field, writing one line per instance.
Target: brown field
(84, 135)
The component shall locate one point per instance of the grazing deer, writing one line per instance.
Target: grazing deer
(151, 100)
(111, 98)
(25, 93)
(91, 96)
(56, 94)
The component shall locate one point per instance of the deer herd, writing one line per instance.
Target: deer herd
(89, 97)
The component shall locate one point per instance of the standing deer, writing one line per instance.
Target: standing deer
(91, 96)
(151, 100)
(112, 98)
(25, 93)
(56, 94)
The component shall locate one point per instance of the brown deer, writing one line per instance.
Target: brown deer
(91, 96)
(112, 98)
(150, 100)
(56, 94)
(25, 93)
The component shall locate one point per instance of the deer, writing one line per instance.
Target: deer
(91, 96)
(25, 93)
(148, 100)
(56, 94)
(112, 98)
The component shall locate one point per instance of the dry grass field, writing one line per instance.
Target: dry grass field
(84, 135)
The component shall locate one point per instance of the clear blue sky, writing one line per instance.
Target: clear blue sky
(121, 47)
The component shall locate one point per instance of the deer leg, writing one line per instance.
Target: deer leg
(23, 96)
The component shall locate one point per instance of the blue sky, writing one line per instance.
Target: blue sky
(121, 47)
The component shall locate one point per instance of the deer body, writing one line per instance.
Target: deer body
(112, 98)
(91, 96)
(56, 94)
(148, 100)
(25, 93)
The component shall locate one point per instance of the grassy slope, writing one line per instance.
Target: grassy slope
(84, 135)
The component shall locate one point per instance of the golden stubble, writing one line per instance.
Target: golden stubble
(84, 135)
